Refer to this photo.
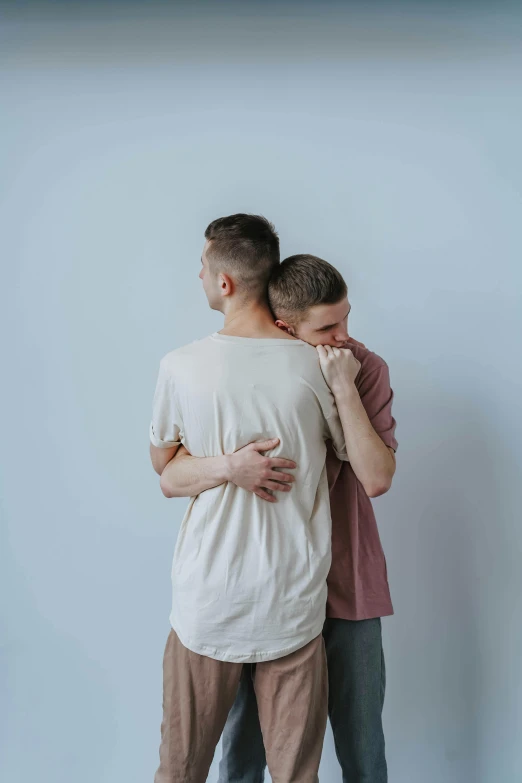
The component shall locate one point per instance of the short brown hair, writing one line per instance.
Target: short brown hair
(302, 281)
(247, 247)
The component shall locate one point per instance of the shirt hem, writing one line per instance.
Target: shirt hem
(356, 616)
(252, 657)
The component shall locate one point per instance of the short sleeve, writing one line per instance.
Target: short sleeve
(166, 425)
(377, 397)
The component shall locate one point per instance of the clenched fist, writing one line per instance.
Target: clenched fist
(339, 367)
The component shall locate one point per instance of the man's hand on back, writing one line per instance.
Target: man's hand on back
(250, 469)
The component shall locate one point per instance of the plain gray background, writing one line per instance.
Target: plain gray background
(387, 142)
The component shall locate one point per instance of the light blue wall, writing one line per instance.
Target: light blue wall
(388, 144)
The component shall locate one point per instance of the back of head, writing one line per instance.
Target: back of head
(246, 247)
(301, 282)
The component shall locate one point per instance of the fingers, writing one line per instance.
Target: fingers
(273, 462)
(332, 351)
(276, 475)
(261, 493)
(276, 486)
(276, 462)
(265, 445)
(327, 351)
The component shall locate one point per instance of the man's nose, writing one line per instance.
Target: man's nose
(342, 337)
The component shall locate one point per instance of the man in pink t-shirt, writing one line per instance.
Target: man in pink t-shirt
(309, 299)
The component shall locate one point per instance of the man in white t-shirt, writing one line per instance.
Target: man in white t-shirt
(249, 577)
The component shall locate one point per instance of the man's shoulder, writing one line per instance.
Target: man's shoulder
(370, 361)
(195, 348)
(309, 353)
(306, 363)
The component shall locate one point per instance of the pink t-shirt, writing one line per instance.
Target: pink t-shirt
(358, 582)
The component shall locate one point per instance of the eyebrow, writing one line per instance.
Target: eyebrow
(330, 326)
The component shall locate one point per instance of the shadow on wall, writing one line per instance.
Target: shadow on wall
(440, 528)
(56, 700)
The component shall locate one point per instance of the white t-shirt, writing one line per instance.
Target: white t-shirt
(249, 577)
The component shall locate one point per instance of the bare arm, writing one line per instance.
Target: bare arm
(161, 457)
(187, 476)
(372, 461)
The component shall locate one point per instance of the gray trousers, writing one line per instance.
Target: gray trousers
(357, 681)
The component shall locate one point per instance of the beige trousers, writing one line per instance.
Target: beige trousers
(198, 692)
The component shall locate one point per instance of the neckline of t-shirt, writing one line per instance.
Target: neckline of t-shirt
(232, 338)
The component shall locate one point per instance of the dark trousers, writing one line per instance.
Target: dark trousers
(357, 681)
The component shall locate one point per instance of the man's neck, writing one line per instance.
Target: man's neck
(253, 320)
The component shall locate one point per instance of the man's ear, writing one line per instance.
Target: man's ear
(226, 285)
(285, 327)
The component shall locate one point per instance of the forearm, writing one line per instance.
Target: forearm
(161, 457)
(372, 461)
(187, 476)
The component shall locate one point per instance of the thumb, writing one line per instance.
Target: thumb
(265, 445)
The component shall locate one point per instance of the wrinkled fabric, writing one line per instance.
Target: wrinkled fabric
(198, 692)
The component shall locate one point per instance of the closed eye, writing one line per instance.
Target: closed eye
(332, 326)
